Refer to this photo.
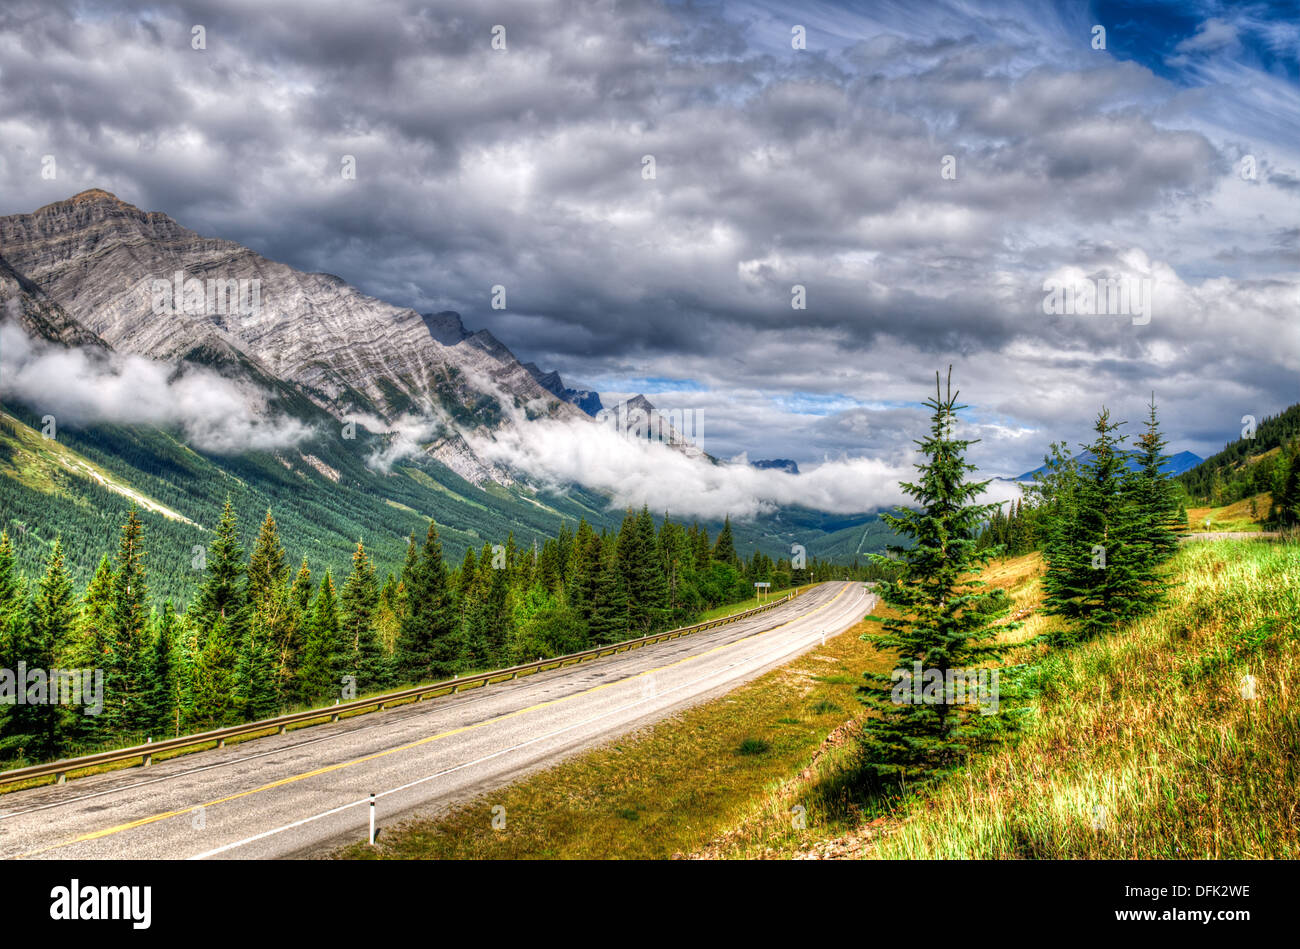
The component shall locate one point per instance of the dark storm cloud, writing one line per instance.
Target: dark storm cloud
(774, 167)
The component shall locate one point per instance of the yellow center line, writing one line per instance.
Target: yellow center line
(109, 831)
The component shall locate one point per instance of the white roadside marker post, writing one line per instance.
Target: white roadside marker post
(372, 819)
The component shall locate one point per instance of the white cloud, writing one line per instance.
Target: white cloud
(634, 472)
(81, 386)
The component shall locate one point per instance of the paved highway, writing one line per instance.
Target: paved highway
(307, 791)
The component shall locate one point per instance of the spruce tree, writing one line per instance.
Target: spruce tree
(1155, 502)
(213, 702)
(946, 619)
(1286, 503)
(321, 660)
(724, 550)
(267, 659)
(364, 657)
(89, 649)
(126, 699)
(36, 730)
(224, 592)
(426, 646)
(11, 592)
(165, 673)
(643, 576)
(293, 642)
(1096, 572)
(609, 610)
(268, 568)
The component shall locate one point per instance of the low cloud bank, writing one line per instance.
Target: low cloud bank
(83, 387)
(635, 472)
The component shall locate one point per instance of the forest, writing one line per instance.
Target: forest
(264, 635)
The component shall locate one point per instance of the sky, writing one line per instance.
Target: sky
(924, 172)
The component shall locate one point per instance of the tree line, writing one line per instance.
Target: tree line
(262, 636)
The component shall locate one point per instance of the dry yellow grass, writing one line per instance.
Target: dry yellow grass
(1231, 517)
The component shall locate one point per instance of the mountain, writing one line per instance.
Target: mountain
(1174, 464)
(779, 464)
(585, 399)
(101, 291)
(105, 261)
(1250, 465)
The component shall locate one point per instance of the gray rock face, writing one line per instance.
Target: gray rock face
(124, 276)
(585, 399)
(27, 305)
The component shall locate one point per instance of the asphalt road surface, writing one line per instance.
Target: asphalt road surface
(308, 791)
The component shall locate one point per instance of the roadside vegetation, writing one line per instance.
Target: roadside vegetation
(262, 638)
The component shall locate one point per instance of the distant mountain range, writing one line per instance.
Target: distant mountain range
(382, 398)
(1174, 464)
(777, 464)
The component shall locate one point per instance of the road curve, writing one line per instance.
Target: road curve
(306, 791)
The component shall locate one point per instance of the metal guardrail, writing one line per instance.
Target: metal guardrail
(60, 769)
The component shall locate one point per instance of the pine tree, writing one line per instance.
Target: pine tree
(213, 697)
(946, 620)
(321, 660)
(724, 550)
(224, 592)
(126, 705)
(164, 674)
(364, 658)
(1095, 570)
(426, 648)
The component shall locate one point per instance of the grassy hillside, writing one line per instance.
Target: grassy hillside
(1248, 514)
(1246, 466)
(1139, 745)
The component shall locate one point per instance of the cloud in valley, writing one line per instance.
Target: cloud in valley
(82, 387)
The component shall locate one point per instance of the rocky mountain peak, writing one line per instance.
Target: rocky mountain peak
(100, 261)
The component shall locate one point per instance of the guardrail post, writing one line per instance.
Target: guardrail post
(221, 742)
(61, 777)
(283, 729)
(148, 757)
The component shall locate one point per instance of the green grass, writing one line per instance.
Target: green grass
(1139, 746)
(751, 603)
(1143, 746)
